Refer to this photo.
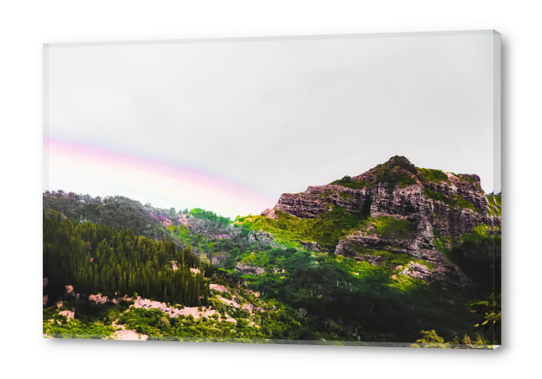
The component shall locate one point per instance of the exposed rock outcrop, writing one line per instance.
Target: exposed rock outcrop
(442, 270)
(263, 238)
(431, 201)
(219, 288)
(249, 269)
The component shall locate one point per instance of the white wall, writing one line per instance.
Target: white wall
(25, 25)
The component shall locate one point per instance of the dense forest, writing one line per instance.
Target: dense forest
(94, 258)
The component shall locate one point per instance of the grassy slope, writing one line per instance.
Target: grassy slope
(337, 288)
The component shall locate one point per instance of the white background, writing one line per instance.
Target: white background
(26, 25)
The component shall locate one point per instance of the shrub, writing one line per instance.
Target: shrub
(435, 176)
(327, 229)
(456, 201)
(431, 340)
(385, 226)
(396, 177)
(349, 183)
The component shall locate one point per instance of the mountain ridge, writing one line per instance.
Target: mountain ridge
(381, 257)
(435, 207)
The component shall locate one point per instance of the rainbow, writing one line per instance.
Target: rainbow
(82, 168)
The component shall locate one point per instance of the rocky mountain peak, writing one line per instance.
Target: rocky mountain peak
(404, 208)
(396, 164)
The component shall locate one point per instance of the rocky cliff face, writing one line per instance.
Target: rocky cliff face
(426, 202)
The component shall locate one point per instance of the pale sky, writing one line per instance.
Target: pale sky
(266, 115)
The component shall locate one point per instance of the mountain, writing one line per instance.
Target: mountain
(407, 210)
(375, 258)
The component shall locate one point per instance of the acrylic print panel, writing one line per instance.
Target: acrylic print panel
(338, 190)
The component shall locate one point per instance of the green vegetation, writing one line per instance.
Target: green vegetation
(469, 179)
(363, 296)
(385, 226)
(443, 244)
(189, 238)
(435, 176)
(208, 215)
(494, 201)
(431, 340)
(346, 195)
(63, 328)
(490, 308)
(327, 229)
(456, 201)
(94, 321)
(395, 177)
(471, 252)
(392, 260)
(349, 183)
(277, 322)
(259, 259)
(117, 212)
(301, 294)
(398, 171)
(94, 258)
